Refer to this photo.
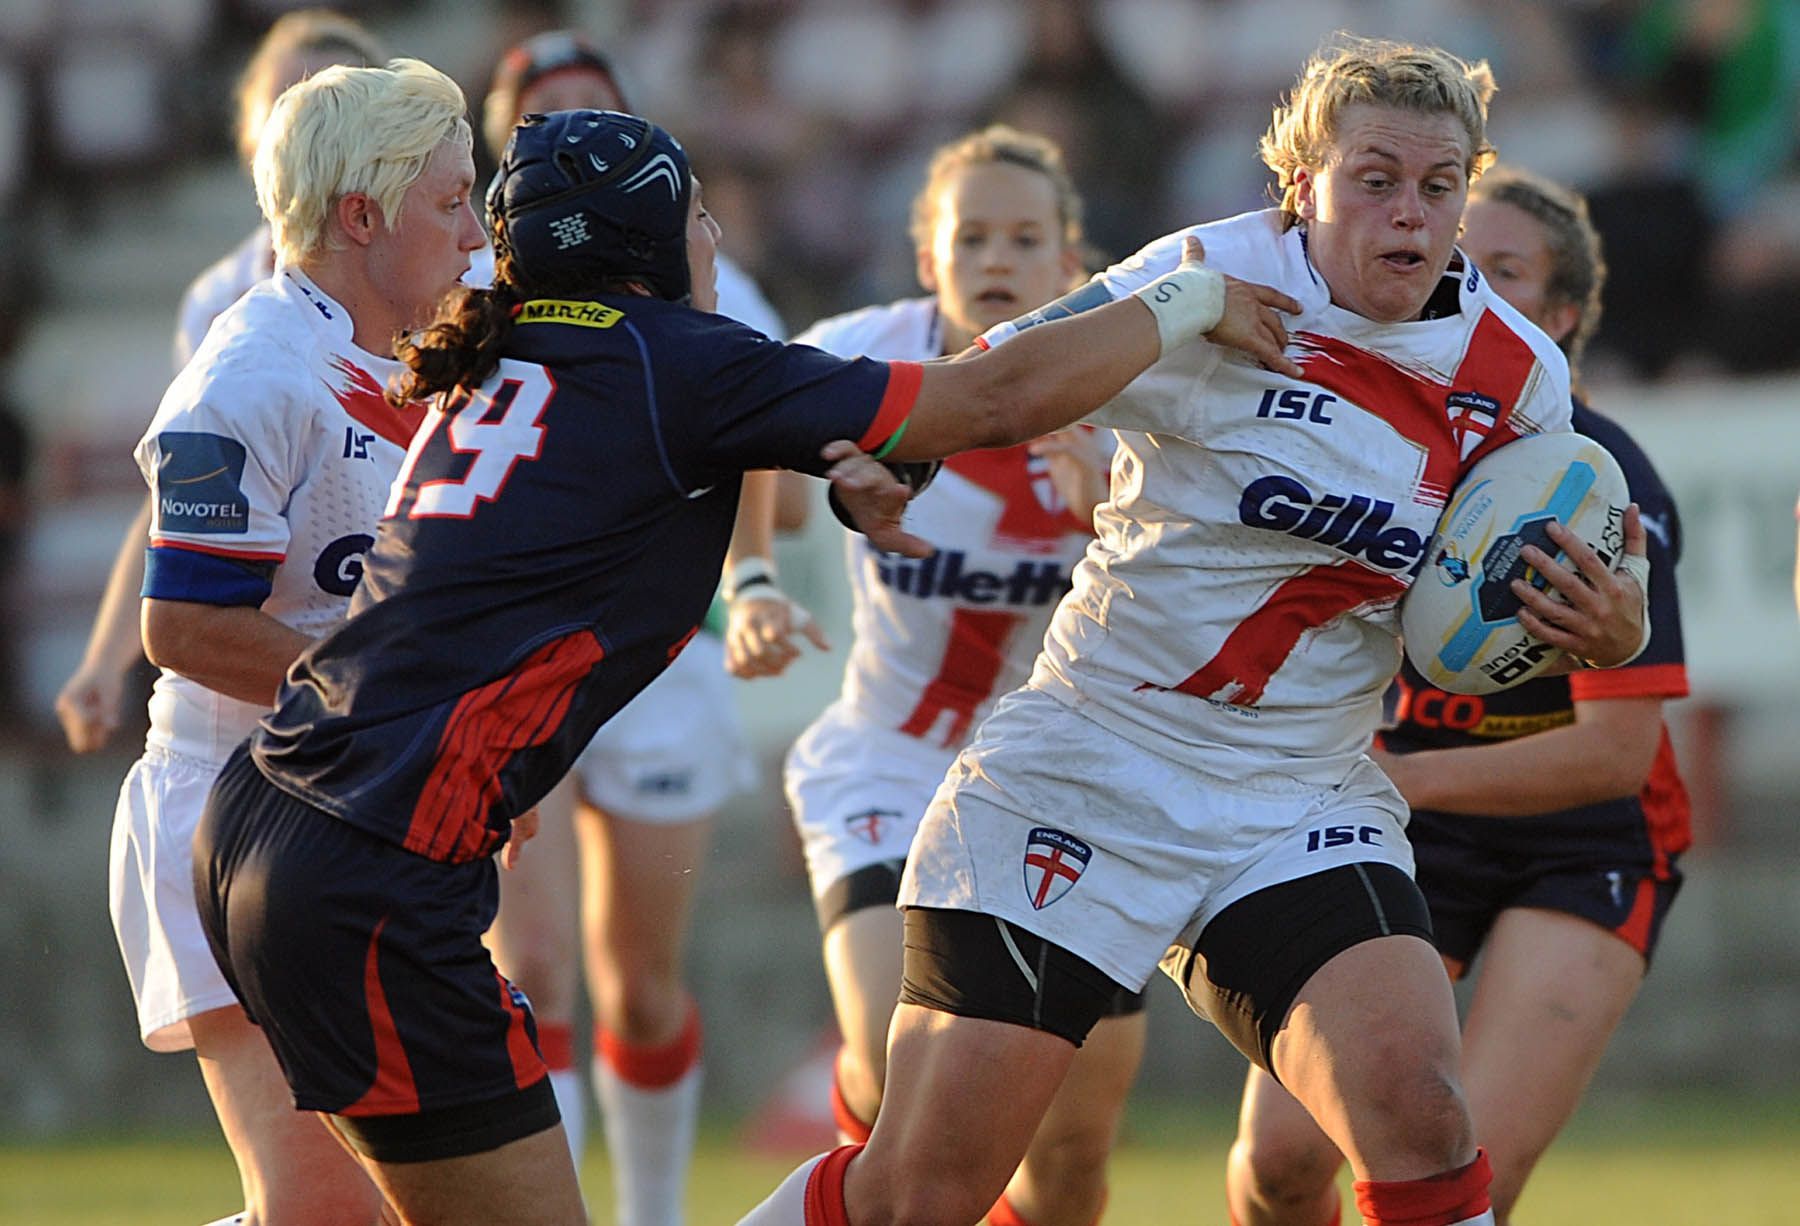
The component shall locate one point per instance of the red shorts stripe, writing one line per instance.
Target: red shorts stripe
(392, 1092)
(528, 1066)
(904, 381)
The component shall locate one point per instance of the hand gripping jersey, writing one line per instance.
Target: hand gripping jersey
(1237, 612)
(939, 639)
(269, 461)
(1424, 717)
(552, 542)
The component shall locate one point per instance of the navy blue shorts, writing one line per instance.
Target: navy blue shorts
(363, 964)
(1473, 868)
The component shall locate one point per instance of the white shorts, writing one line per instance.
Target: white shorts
(151, 874)
(1097, 844)
(676, 752)
(858, 793)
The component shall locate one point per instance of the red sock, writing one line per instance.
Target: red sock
(1003, 1214)
(652, 1066)
(825, 1188)
(1437, 1200)
(556, 1042)
(849, 1124)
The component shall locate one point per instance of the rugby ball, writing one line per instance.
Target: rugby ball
(1460, 618)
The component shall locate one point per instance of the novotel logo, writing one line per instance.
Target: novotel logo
(1356, 524)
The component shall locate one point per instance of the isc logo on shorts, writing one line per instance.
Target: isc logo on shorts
(1054, 862)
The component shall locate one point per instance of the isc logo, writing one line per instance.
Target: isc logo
(1342, 836)
(1355, 523)
(1296, 404)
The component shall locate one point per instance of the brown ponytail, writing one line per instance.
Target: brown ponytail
(461, 347)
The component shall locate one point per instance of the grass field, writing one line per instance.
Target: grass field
(1674, 1162)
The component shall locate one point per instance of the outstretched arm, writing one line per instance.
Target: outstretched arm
(763, 622)
(1045, 377)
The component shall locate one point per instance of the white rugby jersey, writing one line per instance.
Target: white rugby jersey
(937, 640)
(273, 445)
(1238, 609)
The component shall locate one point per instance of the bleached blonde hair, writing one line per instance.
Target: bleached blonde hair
(1350, 70)
(344, 130)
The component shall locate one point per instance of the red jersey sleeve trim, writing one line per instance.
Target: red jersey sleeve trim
(243, 555)
(1649, 681)
(904, 381)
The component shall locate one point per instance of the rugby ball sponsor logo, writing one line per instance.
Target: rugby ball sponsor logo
(1461, 628)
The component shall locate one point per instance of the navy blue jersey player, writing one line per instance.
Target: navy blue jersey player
(553, 539)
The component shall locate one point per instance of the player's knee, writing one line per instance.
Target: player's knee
(1422, 1111)
(1277, 1170)
(1068, 1169)
(350, 1202)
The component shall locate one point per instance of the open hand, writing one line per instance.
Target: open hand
(874, 497)
(1250, 323)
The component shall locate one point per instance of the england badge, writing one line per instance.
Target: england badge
(1054, 862)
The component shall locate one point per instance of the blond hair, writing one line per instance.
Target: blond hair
(993, 145)
(318, 33)
(1350, 70)
(368, 130)
(1577, 266)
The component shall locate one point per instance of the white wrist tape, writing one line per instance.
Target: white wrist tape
(1638, 567)
(1188, 302)
(753, 573)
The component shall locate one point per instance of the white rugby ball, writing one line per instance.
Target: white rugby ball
(1460, 618)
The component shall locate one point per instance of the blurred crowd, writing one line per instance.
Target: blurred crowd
(810, 121)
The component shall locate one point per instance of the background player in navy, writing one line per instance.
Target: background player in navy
(1546, 819)
(553, 540)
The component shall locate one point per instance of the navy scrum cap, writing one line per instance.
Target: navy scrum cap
(587, 195)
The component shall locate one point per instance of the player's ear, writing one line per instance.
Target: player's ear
(358, 216)
(1561, 320)
(926, 269)
(1306, 201)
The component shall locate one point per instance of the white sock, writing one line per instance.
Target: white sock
(571, 1101)
(786, 1205)
(236, 1219)
(650, 1138)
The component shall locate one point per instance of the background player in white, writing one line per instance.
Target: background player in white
(997, 229)
(1184, 777)
(298, 44)
(269, 462)
(620, 843)
(1559, 966)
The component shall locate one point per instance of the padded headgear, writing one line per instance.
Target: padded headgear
(590, 195)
